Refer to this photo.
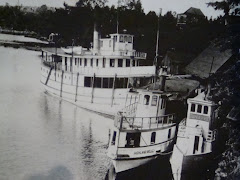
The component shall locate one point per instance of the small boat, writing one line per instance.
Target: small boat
(196, 138)
(142, 130)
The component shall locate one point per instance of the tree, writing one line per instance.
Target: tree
(225, 5)
(91, 3)
(131, 5)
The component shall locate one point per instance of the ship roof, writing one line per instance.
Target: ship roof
(201, 98)
(177, 88)
(122, 34)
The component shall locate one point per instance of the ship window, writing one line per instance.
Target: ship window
(169, 133)
(154, 100)
(96, 62)
(133, 140)
(130, 39)
(114, 138)
(205, 110)
(87, 81)
(115, 38)
(119, 82)
(103, 62)
(97, 82)
(112, 62)
(91, 62)
(199, 108)
(193, 107)
(80, 61)
(146, 100)
(110, 43)
(120, 63)
(121, 39)
(75, 61)
(153, 137)
(127, 62)
(110, 84)
(105, 82)
(125, 38)
(85, 62)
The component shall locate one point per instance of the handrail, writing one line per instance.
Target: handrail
(124, 122)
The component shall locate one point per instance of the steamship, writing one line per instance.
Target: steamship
(143, 130)
(98, 78)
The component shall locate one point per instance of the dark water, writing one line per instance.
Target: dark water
(42, 137)
(158, 169)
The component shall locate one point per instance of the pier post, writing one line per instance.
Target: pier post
(113, 88)
(61, 84)
(93, 83)
(76, 87)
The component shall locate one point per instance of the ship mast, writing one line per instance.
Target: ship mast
(118, 15)
(157, 43)
(156, 54)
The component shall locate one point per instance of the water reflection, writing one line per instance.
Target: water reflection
(57, 173)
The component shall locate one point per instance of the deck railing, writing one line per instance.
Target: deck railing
(52, 65)
(131, 123)
(130, 110)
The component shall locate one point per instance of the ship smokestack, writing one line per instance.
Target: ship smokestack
(162, 78)
(162, 81)
(95, 39)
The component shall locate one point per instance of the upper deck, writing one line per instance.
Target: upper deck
(144, 110)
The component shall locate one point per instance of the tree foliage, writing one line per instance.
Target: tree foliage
(225, 5)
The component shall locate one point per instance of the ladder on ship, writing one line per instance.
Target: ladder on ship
(76, 87)
(49, 74)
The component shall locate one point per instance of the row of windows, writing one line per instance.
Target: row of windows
(154, 102)
(99, 82)
(84, 62)
(133, 139)
(199, 108)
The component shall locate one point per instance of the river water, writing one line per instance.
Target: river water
(42, 137)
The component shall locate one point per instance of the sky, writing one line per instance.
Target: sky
(178, 6)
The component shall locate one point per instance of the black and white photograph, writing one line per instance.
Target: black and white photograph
(119, 90)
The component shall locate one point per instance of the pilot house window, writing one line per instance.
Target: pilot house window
(146, 100)
(193, 107)
(130, 39)
(205, 110)
(199, 108)
(154, 100)
(121, 39)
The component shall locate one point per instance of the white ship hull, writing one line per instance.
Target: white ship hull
(124, 165)
(188, 166)
(103, 101)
